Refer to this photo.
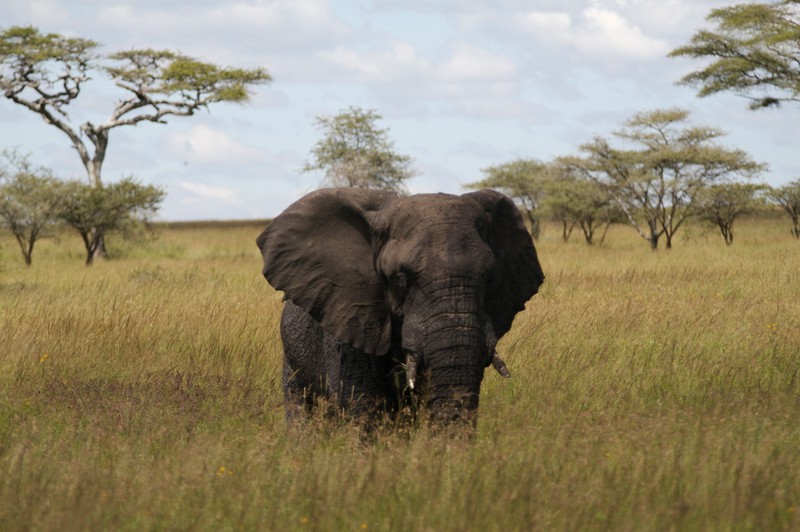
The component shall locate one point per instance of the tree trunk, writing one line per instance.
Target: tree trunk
(654, 240)
(90, 245)
(93, 168)
(26, 247)
(727, 233)
(588, 232)
(603, 236)
(99, 251)
(566, 230)
(536, 229)
(28, 253)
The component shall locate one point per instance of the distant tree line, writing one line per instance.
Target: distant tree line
(660, 172)
(655, 173)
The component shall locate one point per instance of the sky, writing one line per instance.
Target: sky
(460, 85)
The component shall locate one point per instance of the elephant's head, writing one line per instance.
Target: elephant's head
(433, 280)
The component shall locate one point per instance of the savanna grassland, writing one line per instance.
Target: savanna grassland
(650, 391)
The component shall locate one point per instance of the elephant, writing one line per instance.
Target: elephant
(396, 300)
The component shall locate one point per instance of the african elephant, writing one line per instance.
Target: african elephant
(392, 297)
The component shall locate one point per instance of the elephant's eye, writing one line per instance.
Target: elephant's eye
(486, 284)
(398, 281)
(482, 225)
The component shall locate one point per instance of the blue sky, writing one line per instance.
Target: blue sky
(461, 85)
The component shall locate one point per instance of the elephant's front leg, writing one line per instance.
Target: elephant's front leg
(303, 362)
(298, 400)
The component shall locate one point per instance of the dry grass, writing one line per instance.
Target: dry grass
(650, 391)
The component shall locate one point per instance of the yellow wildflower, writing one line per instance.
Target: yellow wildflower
(222, 471)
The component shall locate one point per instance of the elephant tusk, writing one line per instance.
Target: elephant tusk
(411, 370)
(500, 366)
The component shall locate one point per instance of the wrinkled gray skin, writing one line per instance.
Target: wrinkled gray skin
(376, 283)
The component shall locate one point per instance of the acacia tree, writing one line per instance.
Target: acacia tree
(355, 152)
(45, 72)
(523, 180)
(28, 202)
(788, 197)
(754, 52)
(93, 211)
(723, 203)
(657, 180)
(573, 200)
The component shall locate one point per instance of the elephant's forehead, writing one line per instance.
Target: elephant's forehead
(427, 209)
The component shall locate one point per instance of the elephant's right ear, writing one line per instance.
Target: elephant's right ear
(319, 251)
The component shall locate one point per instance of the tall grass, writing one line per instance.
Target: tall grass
(649, 391)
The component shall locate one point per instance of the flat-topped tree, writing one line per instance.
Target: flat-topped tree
(45, 72)
(753, 51)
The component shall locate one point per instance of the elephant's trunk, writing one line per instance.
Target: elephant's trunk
(454, 359)
(454, 395)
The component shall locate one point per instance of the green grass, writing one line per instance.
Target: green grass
(649, 391)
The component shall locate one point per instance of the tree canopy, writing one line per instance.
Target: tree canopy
(754, 52)
(721, 204)
(355, 152)
(29, 199)
(93, 211)
(573, 200)
(656, 176)
(45, 72)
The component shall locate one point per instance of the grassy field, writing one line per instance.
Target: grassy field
(650, 391)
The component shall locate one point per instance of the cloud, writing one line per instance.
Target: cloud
(597, 32)
(608, 32)
(224, 194)
(240, 32)
(395, 61)
(45, 12)
(399, 61)
(471, 63)
(547, 25)
(465, 78)
(203, 144)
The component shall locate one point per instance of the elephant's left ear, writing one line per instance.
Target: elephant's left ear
(517, 274)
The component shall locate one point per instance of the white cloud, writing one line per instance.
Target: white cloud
(399, 61)
(466, 79)
(201, 190)
(597, 32)
(471, 63)
(204, 144)
(605, 32)
(549, 25)
(45, 12)
(395, 61)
